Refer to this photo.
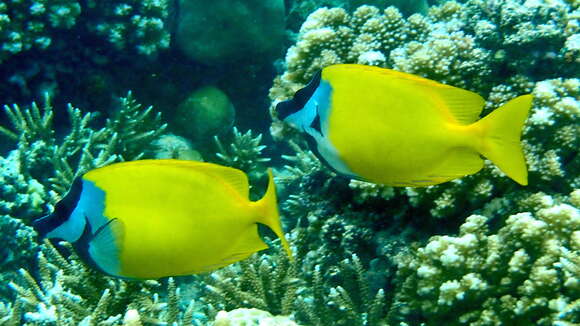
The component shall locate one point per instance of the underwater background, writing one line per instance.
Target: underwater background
(86, 83)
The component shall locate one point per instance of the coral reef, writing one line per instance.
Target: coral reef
(474, 45)
(68, 292)
(525, 274)
(264, 282)
(70, 47)
(244, 153)
(514, 261)
(447, 46)
(131, 25)
(272, 283)
(250, 317)
(43, 158)
(32, 24)
(299, 10)
(41, 168)
(499, 49)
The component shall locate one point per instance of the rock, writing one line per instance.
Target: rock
(222, 31)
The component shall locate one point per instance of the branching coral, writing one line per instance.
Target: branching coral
(340, 296)
(264, 282)
(526, 273)
(250, 317)
(44, 165)
(350, 303)
(18, 249)
(68, 292)
(245, 153)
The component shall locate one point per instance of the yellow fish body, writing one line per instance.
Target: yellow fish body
(155, 218)
(399, 129)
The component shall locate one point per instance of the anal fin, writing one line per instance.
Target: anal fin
(458, 162)
(248, 244)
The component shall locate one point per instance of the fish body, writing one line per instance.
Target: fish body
(155, 218)
(398, 129)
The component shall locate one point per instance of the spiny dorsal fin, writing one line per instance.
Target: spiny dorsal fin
(463, 105)
(235, 178)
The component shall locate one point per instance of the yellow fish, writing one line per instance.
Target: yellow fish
(155, 218)
(398, 129)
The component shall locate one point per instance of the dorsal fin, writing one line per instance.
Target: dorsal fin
(235, 178)
(463, 105)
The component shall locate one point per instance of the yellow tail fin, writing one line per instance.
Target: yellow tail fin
(268, 207)
(502, 131)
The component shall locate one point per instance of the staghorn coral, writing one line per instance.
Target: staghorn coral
(250, 317)
(19, 247)
(272, 283)
(68, 292)
(245, 153)
(526, 273)
(264, 282)
(348, 301)
(44, 165)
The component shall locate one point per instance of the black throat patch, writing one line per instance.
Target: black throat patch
(62, 210)
(300, 98)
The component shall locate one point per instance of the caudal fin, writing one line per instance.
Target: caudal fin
(268, 207)
(502, 131)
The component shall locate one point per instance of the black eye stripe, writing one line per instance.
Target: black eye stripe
(300, 98)
(62, 210)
